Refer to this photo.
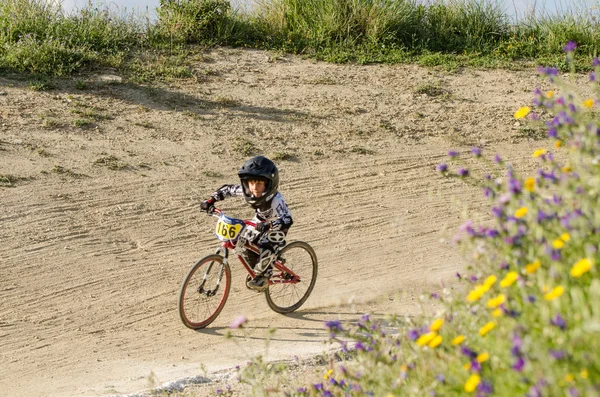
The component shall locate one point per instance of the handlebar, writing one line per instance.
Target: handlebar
(216, 212)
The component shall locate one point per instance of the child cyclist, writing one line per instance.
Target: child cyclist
(259, 179)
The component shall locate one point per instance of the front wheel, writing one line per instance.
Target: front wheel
(204, 292)
(294, 277)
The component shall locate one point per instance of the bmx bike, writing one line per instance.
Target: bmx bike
(207, 284)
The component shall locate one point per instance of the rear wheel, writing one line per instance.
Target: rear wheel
(289, 290)
(204, 292)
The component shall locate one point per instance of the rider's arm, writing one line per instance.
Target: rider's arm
(283, 216)
(227, 191)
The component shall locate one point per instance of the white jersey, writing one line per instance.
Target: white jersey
(277, 212)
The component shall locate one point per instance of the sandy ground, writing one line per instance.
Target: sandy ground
(102, 221)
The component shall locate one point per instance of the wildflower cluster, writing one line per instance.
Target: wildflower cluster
(529, 321)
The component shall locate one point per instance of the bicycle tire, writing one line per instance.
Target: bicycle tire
(202, 297)
(287, 297)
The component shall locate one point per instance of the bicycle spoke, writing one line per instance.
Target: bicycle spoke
(284, 294)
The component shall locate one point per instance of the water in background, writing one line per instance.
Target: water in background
(516, 9)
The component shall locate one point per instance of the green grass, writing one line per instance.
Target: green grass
(9, 180)
(37, 38)
(112, 163)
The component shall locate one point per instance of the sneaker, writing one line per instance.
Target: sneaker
(259, 283)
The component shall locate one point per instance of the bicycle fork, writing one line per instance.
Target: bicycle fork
(212, 292)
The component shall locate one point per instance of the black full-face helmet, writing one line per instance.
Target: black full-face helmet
(260, 168)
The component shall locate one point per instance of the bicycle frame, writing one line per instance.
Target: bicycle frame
(286, 276)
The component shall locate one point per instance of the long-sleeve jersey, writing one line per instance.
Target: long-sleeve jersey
(276, 211)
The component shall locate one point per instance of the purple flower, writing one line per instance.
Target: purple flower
(557, 354)
(497, 159)
(238, 322)
(484, 388)
(570, 46)
(514, 186)
(531, 298)
(552, 132)
(334, 325)
(476, 151)
(440, 378)
(492, 233)
(517, 342)
(302, 390)
(573, 392)
(463, 172)
(595, 62)
(458, 275)
(559, 322)
(497, 212)
(453, 153)
(413, 334)
(519, 364)
(475, 366)
(466, 351)
(442, 167)
(593, 76)
(318, 386)
(549, 71)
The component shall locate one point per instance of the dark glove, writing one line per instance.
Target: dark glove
(208, 206)
(262, 226)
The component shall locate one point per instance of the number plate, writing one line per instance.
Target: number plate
(228, 228)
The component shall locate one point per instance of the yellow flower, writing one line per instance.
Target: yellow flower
(569, 378)
(458, 340)
(566, 169)
(403, 368)
(436, 325)
(558, 144)
(483, 357)
(539, 152)
(328, 374)
(565, 237)
(509, 279)
(555, 293)
(581, 266)
(522, 112)
(487, 328)
(426, 338)
(435, 342)
(532, 267)
(497, 301)
(467, 366)
(521, 212)
(497, 313)
(588, 103)
(558, 244)
(584, 374)
(472, 383)
(549, 94)
(490, 281)
(529, 185)
(477, 293)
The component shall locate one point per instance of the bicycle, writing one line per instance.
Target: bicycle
(206, 286)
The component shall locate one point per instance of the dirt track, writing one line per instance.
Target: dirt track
(93, 248)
